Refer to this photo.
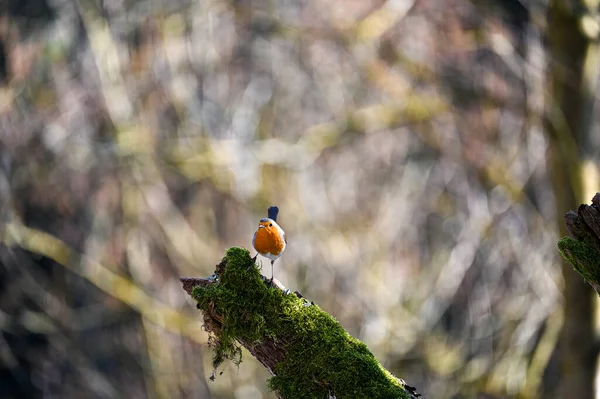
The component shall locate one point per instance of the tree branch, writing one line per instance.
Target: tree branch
(582, 248)
(306, 350)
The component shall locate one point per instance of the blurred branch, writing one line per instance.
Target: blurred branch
(307, 351)
(542, 354)
(204, 158)
(115, 285)
(106, 55)
(380, 20)
(582, 249)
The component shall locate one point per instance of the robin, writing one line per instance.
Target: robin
(269, 239)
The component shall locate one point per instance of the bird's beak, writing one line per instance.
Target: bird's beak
(260, 226)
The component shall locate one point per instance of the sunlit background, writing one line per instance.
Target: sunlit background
(422, 154)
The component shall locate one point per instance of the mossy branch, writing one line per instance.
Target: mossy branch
(582, 248)
(306, 350)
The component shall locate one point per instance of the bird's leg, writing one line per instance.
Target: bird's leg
(253, 262)
(272, 275)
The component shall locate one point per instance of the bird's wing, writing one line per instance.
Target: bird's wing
(284, 238)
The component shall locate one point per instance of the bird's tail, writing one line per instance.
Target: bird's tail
(273, 212)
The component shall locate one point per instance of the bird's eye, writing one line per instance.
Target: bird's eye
(270, 224)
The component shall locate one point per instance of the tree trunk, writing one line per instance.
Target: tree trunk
(572, 75)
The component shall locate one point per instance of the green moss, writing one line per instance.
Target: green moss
(322, 357)
(584, 259)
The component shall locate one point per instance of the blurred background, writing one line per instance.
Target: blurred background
(422, 153)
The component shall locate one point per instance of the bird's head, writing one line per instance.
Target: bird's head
(268, 224)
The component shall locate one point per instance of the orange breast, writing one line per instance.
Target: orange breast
(268, 241)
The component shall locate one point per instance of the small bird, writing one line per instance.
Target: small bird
(269, 239)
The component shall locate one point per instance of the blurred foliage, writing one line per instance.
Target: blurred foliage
(402, 141)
